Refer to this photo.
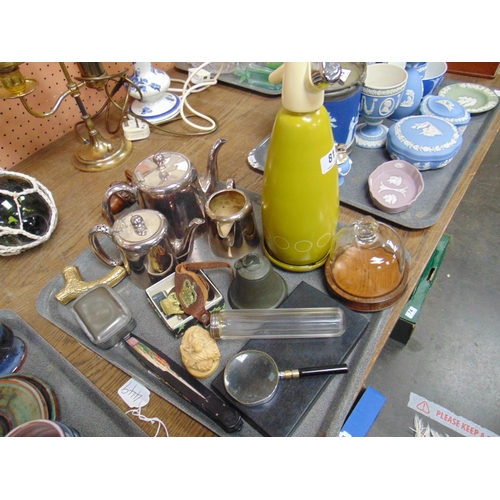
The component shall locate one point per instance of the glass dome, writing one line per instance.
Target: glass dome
(367, 267)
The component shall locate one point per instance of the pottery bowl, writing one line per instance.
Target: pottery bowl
(433, 76)
(395, 185)
(43, 428)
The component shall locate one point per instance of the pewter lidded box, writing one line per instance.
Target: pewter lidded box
(428, 142)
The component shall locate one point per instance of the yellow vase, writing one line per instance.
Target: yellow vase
(300, 195)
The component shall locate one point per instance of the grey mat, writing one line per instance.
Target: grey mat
(325, 417)
(439, 184)
(81, 405)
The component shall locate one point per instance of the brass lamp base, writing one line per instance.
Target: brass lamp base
(102, 154)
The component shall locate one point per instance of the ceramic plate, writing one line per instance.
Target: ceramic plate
(473, 97)
(395, 185)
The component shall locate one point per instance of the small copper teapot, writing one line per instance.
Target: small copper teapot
(169, 183)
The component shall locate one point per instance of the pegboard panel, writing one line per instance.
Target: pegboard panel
(23, 134)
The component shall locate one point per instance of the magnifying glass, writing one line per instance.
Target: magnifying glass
(251, 377)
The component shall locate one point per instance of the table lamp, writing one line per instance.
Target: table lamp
(96, 153)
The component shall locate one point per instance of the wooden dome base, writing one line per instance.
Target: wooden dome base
(366, 304)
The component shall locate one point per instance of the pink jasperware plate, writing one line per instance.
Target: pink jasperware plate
(395, 185)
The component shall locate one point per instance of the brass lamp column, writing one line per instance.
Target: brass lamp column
(96, 153)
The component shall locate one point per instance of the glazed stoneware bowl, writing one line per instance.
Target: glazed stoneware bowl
(433, 76)
(43, 428)
(395, 185)
(20, 402)
(380, 96)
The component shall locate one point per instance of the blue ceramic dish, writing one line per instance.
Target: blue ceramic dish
(15, 359)
(427, 142)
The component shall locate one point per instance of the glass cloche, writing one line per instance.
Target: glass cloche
(367, 267)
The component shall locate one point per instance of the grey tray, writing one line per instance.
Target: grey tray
(232, 79)
(439, 185)
(325, 417)
(81, 405)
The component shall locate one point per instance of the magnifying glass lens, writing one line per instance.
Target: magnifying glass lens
(251, 377)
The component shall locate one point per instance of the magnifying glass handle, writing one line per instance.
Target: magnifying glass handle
(313, 371)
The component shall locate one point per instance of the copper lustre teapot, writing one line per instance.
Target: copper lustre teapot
(169, 183)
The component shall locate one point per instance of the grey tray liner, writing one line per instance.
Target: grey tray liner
(439, 185)
(81, 405)
(327, 414)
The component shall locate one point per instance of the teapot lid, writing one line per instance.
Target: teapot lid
(163, 171)
(140, 229)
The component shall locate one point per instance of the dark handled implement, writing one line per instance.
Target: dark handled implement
(184, 384)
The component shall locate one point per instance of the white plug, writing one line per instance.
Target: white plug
(198, 75)
(135, 130)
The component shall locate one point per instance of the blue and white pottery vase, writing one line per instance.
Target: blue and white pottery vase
(414, 90)
(342, 101)
(427, 142)
(152, 81)
(153, 103)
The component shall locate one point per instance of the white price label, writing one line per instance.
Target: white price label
(134, 394)
(328, 161)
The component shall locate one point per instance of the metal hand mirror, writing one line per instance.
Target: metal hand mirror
(251, 377)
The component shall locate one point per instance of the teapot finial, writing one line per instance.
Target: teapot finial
(163, 165)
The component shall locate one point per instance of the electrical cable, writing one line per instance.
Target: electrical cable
(187, 89)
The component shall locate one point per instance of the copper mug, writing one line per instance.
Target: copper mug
(232, 231)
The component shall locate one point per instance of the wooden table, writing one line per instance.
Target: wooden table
(244, 119)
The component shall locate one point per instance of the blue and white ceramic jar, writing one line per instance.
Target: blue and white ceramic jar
(446, 108)
(152, 81)
(413, 92)
(342, 101)
(427, 142)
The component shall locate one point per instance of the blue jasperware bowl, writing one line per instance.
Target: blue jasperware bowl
(425, 141)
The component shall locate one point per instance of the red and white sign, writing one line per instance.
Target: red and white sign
(447, 418)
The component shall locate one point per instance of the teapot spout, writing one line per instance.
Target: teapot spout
(184, 246)
(209, 182)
